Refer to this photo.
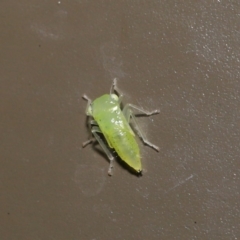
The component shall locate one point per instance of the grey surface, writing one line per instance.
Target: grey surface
(179, 56)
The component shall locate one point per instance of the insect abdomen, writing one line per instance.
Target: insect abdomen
(127, 148)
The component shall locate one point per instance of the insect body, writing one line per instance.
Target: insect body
(113, 123)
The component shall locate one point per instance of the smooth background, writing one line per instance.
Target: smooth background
(181, 57)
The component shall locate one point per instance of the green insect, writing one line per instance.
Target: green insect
(107, 117)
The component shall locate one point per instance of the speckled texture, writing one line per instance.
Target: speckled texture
(181, 57)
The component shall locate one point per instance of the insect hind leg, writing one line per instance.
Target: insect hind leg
(127, 112)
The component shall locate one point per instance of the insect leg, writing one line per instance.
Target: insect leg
(93, 122)
(84, 144)
(89, 121)
(147, 113)
(115, 88)
(89, 101)
(127, 112)
(90, 140)
(96, 130)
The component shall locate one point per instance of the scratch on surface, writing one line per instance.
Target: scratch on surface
(46, 32)
(180, 183)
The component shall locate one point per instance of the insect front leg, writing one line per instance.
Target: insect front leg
(115, 88)
(90, 121)
(95, 130)
(89, 101)
(147, 113)
(127, 112)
